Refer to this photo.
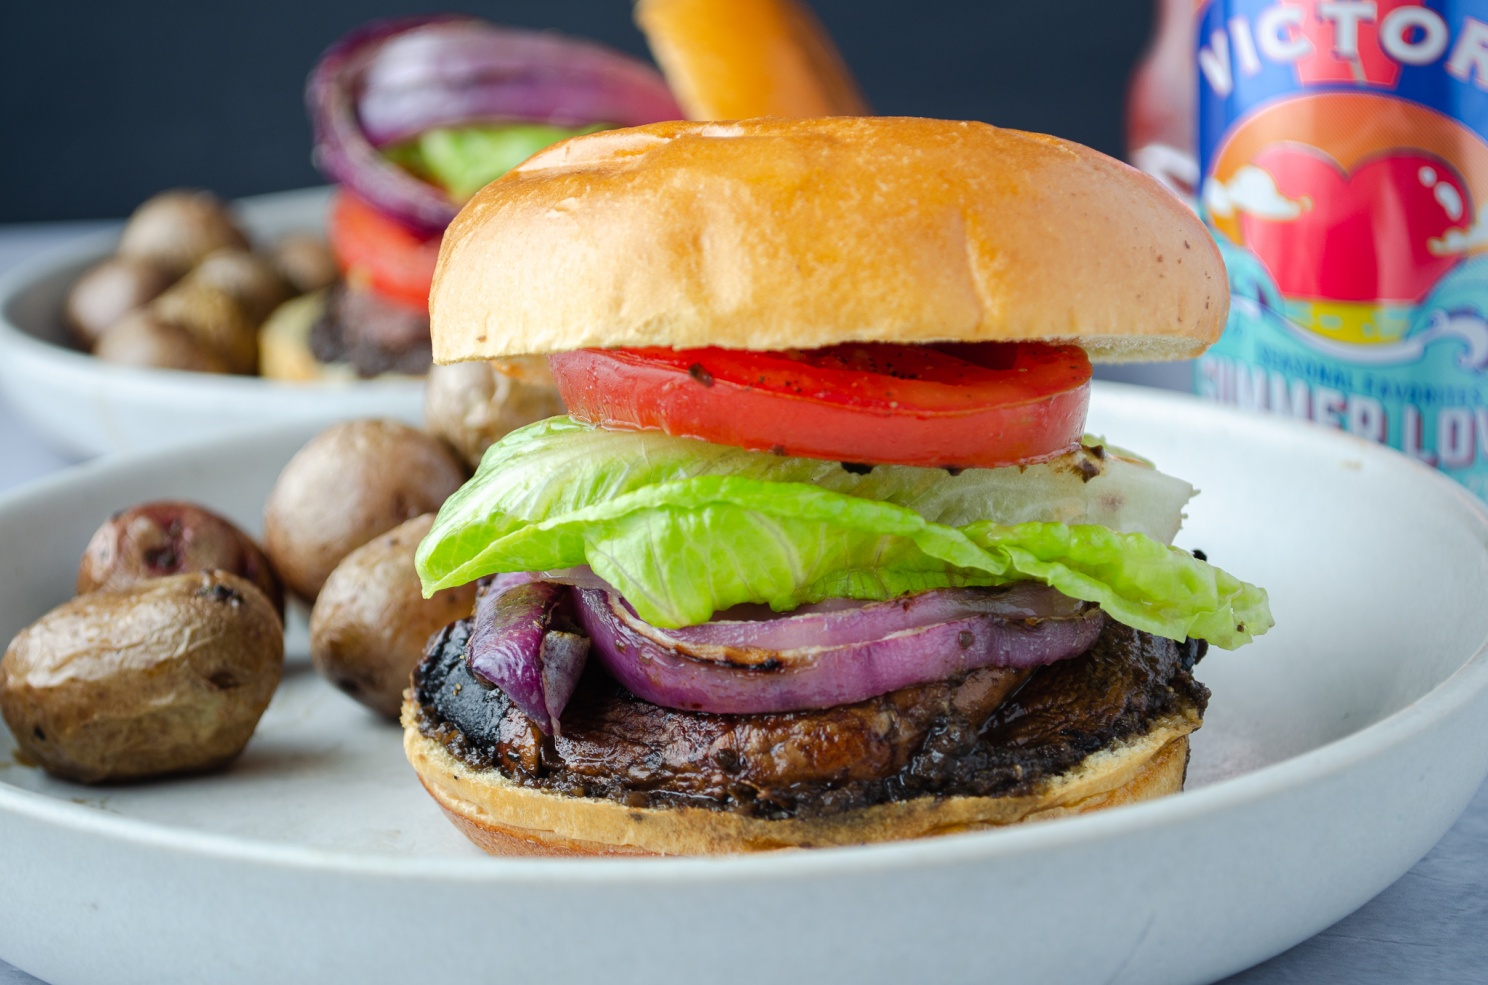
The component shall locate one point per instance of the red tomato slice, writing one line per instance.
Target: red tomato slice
(947, 406)
(397, 262)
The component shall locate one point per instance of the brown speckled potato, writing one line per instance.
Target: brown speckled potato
(247, 277)
(305, 261)
(141, 338)
(371, 620)
(216, 320)
(176, 229)
(168, 676)
(108, 292)
(352, 482)
(167, 537)
(473, 405)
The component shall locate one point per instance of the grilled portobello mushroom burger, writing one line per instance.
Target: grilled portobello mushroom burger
(821, 555)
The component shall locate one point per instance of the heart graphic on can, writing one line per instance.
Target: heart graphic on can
(1363, 235)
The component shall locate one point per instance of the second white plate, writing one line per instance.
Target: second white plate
(83, 406)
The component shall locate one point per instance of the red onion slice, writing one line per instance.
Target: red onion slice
(392, 80)
(823, 676)
(840, 622)
(521, 644)
(579, 577)
(452, 73)
(497, 584)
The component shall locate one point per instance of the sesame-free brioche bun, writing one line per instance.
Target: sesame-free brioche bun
(506, 818)
(776, 234)
(742, 58)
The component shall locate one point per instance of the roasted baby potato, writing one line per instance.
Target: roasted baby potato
(168, 537)
(142, 339)
(474, 405)
(352, 482)
(247, 277)
(215, 319)
(305, 261)
(109, 291)
(371, 620)
(169, 675)
(176, 229)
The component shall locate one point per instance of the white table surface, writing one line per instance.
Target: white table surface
(1430, 928)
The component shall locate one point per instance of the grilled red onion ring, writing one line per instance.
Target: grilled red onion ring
(522, 643)
(394, 79)
(834, 657)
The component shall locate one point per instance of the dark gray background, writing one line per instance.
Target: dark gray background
(104, 103)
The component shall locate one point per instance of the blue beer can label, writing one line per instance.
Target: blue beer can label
(1343, 165)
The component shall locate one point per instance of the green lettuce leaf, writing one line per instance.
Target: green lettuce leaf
(1138, 581)
(686, 528)
(463, 160)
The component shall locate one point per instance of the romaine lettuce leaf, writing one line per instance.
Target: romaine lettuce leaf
(463, 160)
(685, 528)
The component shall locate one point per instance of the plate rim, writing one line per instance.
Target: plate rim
(1458, 689)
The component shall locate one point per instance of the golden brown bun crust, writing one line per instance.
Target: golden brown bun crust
(775, 234)
(504, 818)
(742, 58)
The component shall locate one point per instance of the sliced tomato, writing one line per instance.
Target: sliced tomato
(397, 262)
(963, 405)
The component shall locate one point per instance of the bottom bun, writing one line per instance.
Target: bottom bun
(505, 818)
(284, 344)
(284, 351)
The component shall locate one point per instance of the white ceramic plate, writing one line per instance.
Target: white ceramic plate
(1338, 749)
(85, 407)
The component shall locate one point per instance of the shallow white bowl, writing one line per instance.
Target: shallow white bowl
(1338, 749)
(83, 406)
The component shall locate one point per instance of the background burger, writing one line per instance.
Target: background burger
(413, 116)
(821, 555)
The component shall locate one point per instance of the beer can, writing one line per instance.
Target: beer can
(1343, 169)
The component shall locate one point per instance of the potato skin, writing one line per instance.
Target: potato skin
(215, 319)
(371, 621)
(352, 482)
(169, 537)
(168, 676)
(140, 338)
(246, 277)
(176, 228)
(474, 405)
(108, 291)
(305, 262)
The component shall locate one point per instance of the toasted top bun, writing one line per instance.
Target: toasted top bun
(740, 58)
(775, 234)
(506, 818)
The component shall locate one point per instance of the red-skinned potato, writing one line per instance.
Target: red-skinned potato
(168, 537)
